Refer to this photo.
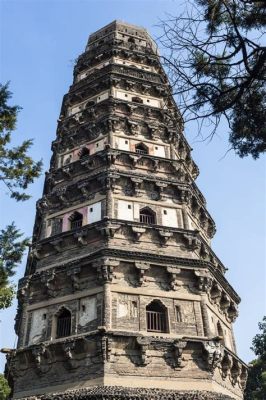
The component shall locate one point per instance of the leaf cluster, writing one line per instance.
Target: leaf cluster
(17, 171)
(256, 383)
(17, 168)
(217, 68)
(4, 388)
(11, 253)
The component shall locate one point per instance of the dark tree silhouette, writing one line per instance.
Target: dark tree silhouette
(217, 67)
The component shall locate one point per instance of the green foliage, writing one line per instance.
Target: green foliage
(17, 168)
(11, 253)
(4, 388)
(17, 171)
(218, 68)
(256, 383)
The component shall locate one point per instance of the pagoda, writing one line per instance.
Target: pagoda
(123, 297)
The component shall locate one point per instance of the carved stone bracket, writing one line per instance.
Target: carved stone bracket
(154, 132)
(105, 269)
(193, 242)
(216, 293)
(225, 302)
(236, 372)
(109, 229)
(243, 377)
(226, 365)
(38, 353)
(42, 204)
(204, 281)
(185, 196)
(137, 183)
(134, 159)
(134, 127)
(143, 344)
(138, 232)
(164, 236)
(61, 194)
(142, 267)
(174, 282)
(161, 187)
(48, 279)
(68, 170)
(35, 252)
(75, 280)
(23, 290)
(232, 312)
(214, 354)
(68, 350)
(85, 190)
(81, 237)
(178, 360)
(57, 244)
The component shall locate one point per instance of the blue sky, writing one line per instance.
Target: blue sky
(39, 41)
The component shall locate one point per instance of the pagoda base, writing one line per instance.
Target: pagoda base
(122, 393)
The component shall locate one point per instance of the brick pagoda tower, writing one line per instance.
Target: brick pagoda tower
(123, 297)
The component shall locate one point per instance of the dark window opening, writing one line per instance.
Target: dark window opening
(178, 314)
(220, 331)
(84, 152)
(83, 307)
(63, 324)
(141, 149)
(156, 315)
(137, 99)
(91, 209)
(68, 159)
(147, 216)
(131, 40)
(165, 212)
(44, 316)
(76, 220)
(57, 224)
(90, 103)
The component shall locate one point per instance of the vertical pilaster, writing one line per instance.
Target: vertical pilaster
(205, 316)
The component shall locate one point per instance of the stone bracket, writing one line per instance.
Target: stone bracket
(142, 267)
(143, 344)
(173, 272)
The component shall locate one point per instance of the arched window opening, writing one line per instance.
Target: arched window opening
(63, 327)
(76, 220)
(220, 331)
(84, 152)
(141, 149)
(131, 40)
(156, 316)
(147, 216)
(137, 99)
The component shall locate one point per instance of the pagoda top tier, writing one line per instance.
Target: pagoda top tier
(121, 30)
